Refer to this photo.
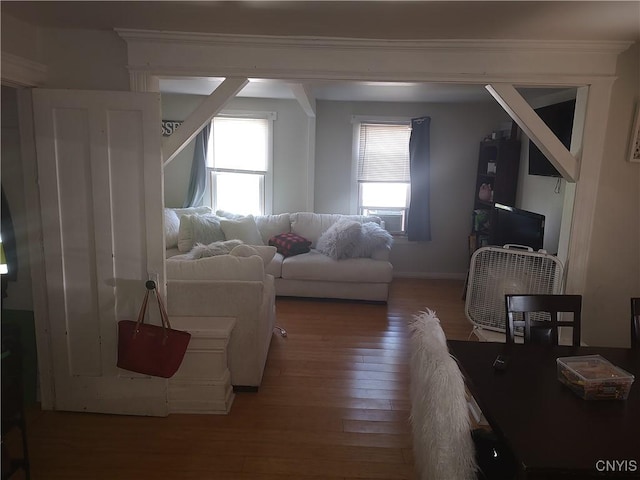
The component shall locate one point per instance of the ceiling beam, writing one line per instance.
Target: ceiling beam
(537, 131)
(305, 98)
(208, 109)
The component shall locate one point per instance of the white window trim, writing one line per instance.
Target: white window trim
(268, 177)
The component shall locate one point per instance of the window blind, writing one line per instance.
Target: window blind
(383, 154)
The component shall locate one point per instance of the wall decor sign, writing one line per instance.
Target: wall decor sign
(170, 126)
(634, 145)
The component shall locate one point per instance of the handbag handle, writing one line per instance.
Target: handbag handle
(151, 286)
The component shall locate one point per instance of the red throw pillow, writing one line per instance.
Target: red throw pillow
(289, 244)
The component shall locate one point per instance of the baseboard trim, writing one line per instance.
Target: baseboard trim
(431, 275)
(245, 388)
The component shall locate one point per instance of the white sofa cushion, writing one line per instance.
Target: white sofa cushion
(172, 222)
(222, 267)
(317, 266)
(194, 229)
(272, 225)
(244, 229)
(275, 266)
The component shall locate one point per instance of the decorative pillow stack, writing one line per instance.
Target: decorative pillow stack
(289, 244)
(372, 237)
(352, 239)
(340, 239)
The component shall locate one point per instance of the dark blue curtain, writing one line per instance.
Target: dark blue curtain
(198, 179)
(418, 221)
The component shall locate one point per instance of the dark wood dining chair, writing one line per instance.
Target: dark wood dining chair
(635, 323)
(538, 316)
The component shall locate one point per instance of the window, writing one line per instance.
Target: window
(239, 163)
(382, 172)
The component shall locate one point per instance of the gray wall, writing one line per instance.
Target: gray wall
(456, 131)
(538, 194)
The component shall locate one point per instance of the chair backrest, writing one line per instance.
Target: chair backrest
(635, 323)
(524, 311)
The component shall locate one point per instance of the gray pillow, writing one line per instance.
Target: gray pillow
(340, 239)
(372, 238)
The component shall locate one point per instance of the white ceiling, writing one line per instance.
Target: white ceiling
(350, 91)
(338, 91)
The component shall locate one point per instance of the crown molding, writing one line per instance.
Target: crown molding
(298, 58)
(21, 72)
(488, 45)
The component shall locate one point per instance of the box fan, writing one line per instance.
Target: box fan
(497, 271)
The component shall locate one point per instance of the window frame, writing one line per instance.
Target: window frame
(356, 190)
(266, 184)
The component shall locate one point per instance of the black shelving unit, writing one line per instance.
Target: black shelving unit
(498, 164)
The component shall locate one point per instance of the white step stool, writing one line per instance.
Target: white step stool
(202, 384)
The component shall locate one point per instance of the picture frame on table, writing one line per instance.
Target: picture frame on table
(634, 144)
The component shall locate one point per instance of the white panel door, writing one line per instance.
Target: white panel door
(101, 194)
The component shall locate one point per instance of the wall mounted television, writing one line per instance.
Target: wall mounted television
(510, 225)
(559, 119)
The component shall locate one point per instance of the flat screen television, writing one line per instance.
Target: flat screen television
(515, 226)
(559, 119)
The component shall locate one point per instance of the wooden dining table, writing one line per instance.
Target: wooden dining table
(553, 432)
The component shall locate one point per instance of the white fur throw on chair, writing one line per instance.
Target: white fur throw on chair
(442, 443)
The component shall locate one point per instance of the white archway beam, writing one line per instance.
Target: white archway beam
(537, 131)
(208, 109)
(305, 98)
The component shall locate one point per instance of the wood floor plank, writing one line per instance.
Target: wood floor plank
(333, 405)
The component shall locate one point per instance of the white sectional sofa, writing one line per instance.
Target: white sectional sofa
(311, 274)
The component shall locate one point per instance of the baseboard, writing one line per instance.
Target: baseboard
(430, 275)
(245, 388)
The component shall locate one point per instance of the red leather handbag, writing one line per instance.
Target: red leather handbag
(151, 349)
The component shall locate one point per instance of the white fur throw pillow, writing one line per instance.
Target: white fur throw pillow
(265, 252)
(372, 238)
(340, 239)
(244, 229)
(194, 229)
(213, 249)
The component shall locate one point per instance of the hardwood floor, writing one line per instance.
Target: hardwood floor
(333, 405)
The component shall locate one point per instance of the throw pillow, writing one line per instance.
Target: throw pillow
(194, 229)
(172, 222)
(171, 228)
(340, 239)
(213, 249)
(244, 229)
(290, 244)
(372, 238)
